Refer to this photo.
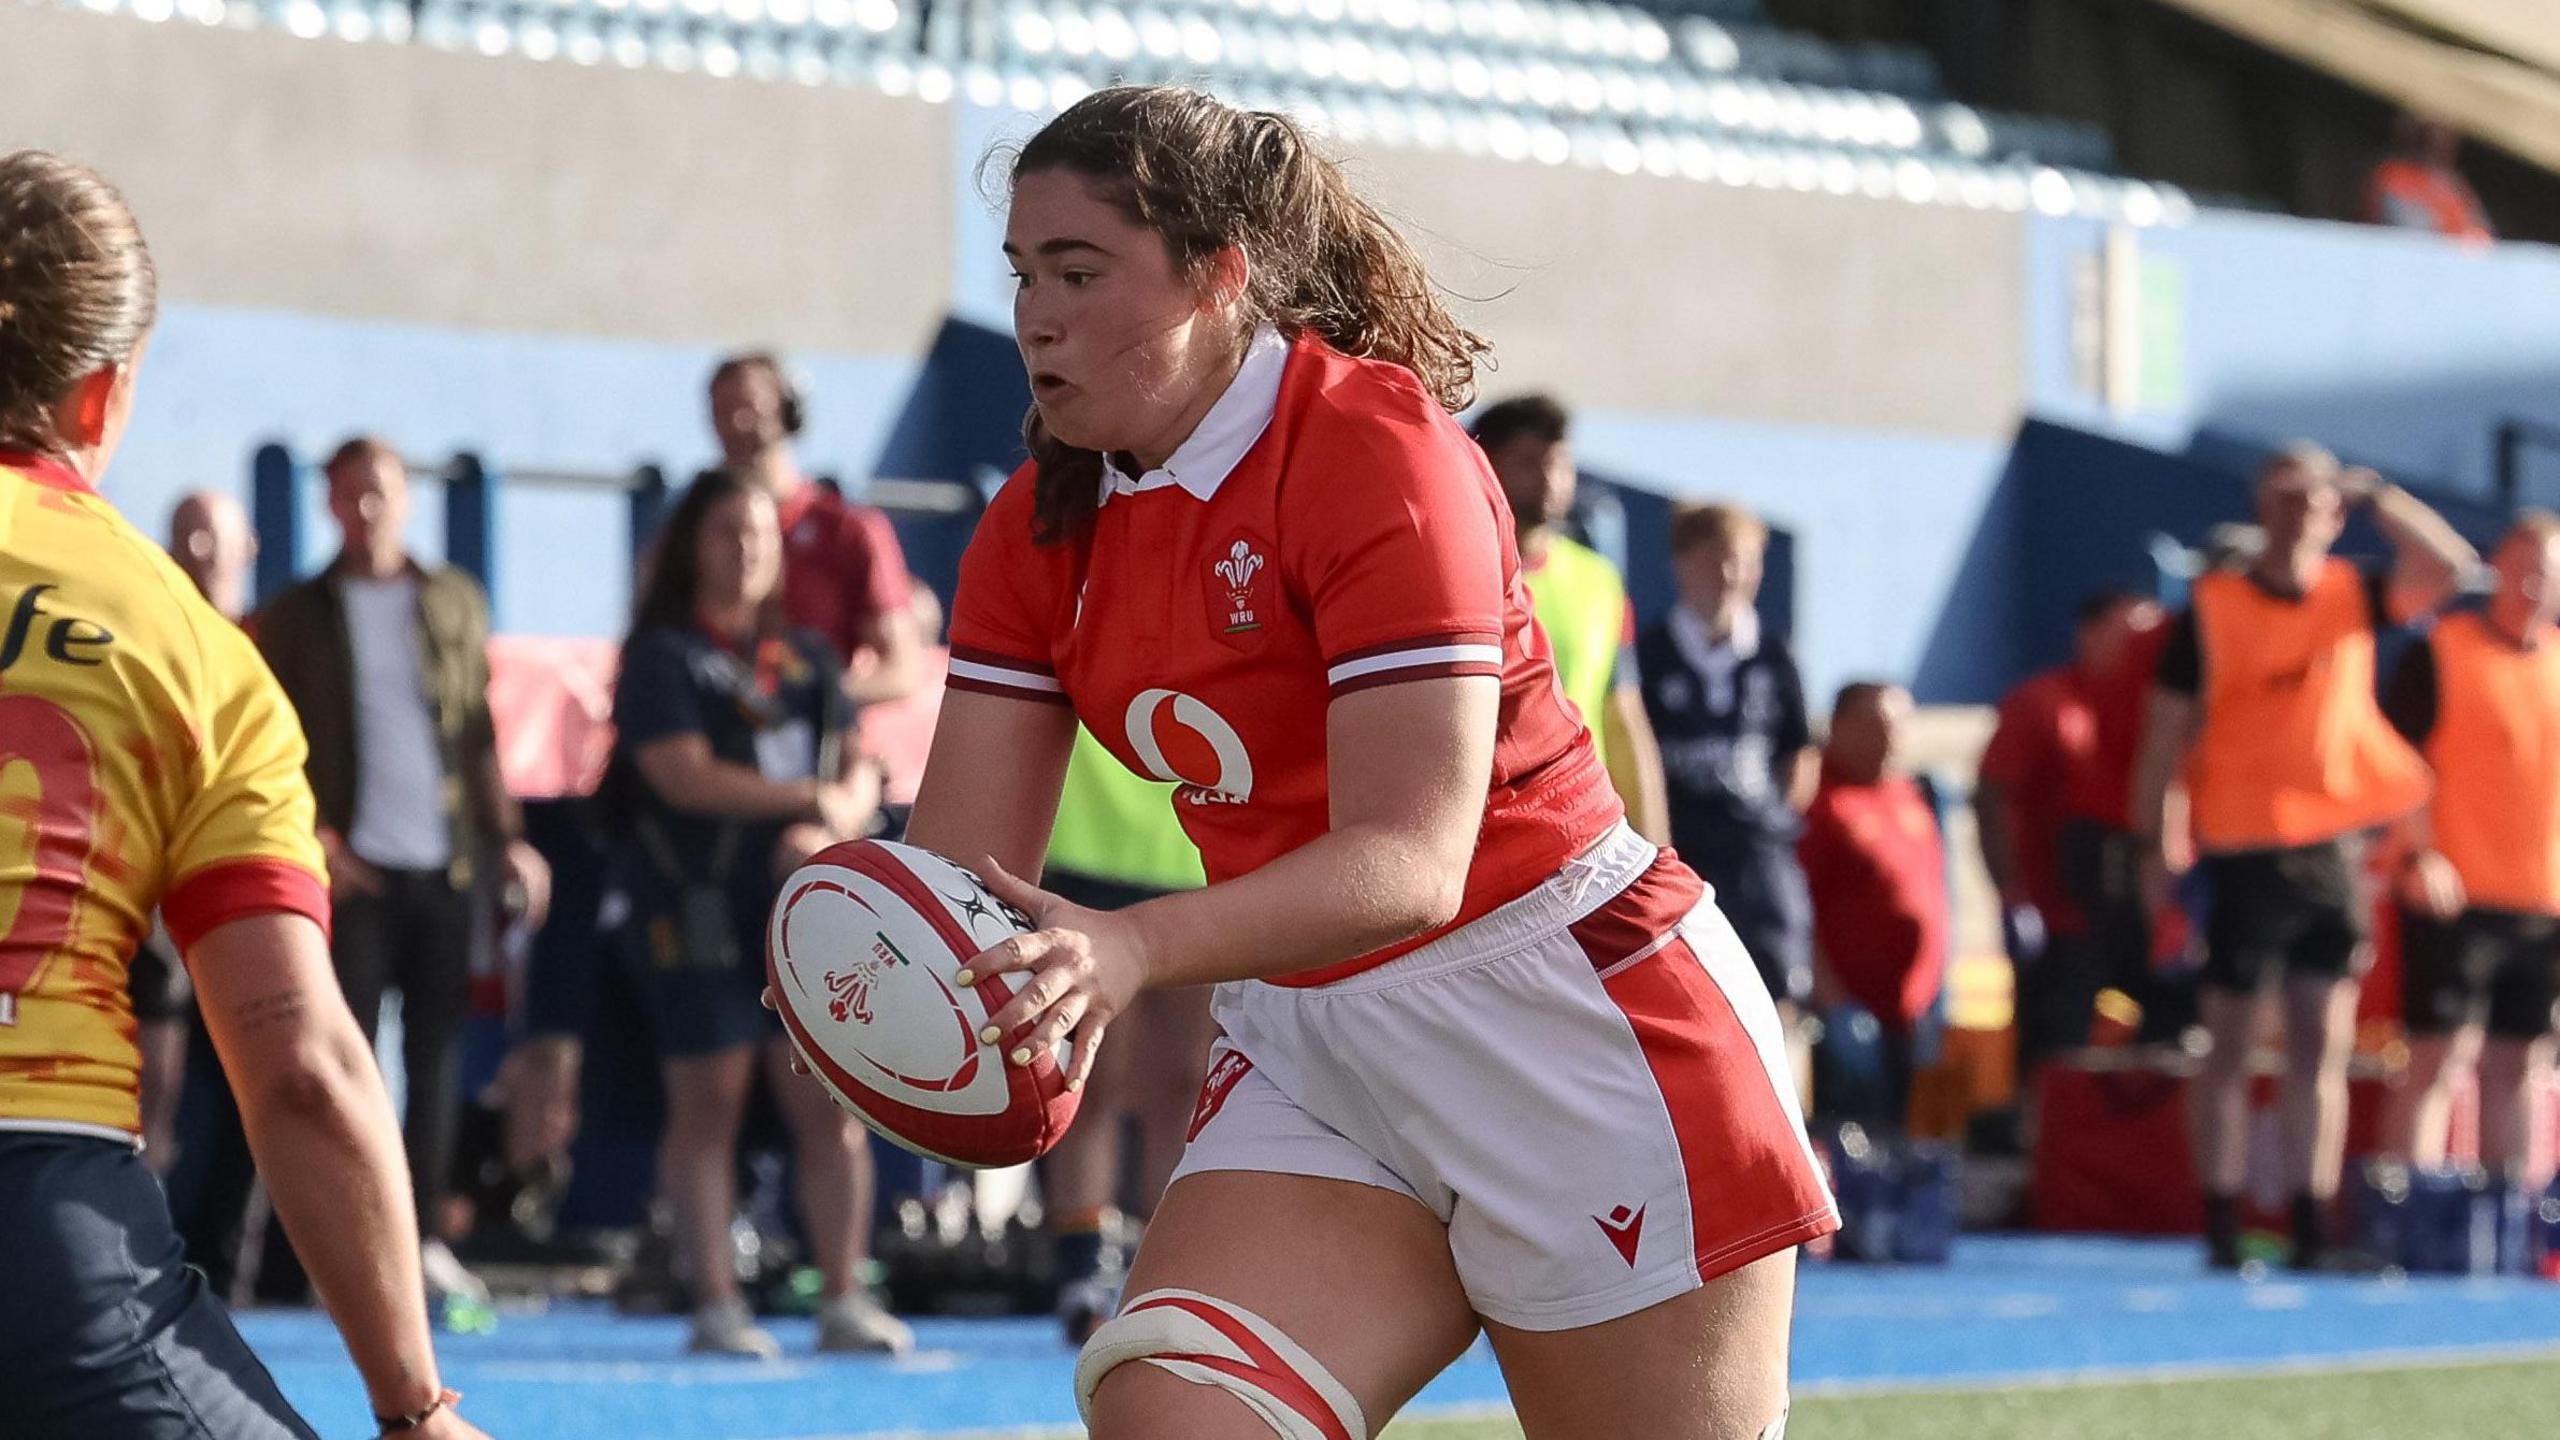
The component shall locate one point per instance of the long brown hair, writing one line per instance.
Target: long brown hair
(669, 595)
(1204, 175)
(77, 289)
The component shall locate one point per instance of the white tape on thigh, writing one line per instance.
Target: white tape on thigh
(1208, 1341)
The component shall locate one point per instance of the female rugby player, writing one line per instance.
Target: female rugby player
(1490, 1061)
(147, 758)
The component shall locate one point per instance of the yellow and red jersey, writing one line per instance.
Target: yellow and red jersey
(147, 759)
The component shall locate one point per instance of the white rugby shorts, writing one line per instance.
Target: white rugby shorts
(1588, 1086)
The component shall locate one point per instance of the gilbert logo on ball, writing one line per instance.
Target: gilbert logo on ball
(861, 951)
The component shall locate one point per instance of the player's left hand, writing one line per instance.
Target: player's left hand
(1085, 967)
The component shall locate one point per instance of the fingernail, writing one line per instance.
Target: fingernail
(965, 979)
(1022, 1056)
(1074, 1085)
(990, 1035)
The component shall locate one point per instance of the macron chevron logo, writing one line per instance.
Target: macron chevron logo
(1625, 1229)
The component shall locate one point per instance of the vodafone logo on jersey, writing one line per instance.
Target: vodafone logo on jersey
(1208, 761)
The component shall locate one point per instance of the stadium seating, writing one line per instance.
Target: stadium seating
(1706, 89)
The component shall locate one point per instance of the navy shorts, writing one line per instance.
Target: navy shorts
(2492, 968)
(703, 997)
(2290, 912)
(1761, 890)
(106, 1332)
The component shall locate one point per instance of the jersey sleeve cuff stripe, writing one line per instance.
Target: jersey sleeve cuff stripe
(237, 889)
(997, 660)
(1049, 696)
(1006, 675)
(1417, 642)
(1405, 674)
(1410, 656)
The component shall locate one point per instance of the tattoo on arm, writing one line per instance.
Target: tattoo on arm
(279, 1008)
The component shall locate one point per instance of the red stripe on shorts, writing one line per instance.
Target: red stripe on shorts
(1752, 1188)
(1262, 1367)
(1642, 913)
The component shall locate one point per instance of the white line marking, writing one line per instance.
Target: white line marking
(2449, 1359)
(2452, 1358)
(707, 1371)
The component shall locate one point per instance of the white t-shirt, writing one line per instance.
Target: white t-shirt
(400, 820)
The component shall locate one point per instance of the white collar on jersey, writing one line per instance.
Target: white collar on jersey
(1218, 444)
(1701, 649)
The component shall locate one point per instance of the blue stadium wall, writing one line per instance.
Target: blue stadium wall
(1913, 394)
(2397, 351)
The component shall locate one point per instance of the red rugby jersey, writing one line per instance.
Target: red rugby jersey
(842, 568)
(1200, 629)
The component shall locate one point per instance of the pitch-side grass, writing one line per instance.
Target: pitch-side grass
(2515, 1401)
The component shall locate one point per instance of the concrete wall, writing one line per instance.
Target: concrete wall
(1670, 296)
(407, 184)
(2399, 350)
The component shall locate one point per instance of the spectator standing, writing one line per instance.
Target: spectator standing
(1877, 868)
(843, 574)
(734, 761)
(2102, 852)
(1727, 702)
(1117, 844)
(2418, 187)
(210, 538)
(2480, 884)
(1579, 598)
(387, 663)
(2045, 740)
(2268, 679)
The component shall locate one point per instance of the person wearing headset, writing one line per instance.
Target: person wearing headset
(843, 574)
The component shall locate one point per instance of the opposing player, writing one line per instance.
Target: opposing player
(1489, 1060)
(146, 757)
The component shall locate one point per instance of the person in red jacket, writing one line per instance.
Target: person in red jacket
(2046, 739)
(1877, 867)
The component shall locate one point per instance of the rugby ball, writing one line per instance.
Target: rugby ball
(861, 950)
